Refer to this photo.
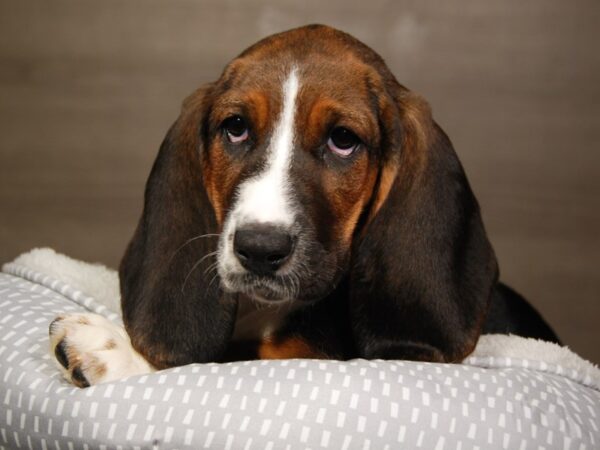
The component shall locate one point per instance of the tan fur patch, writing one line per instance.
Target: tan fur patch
(417, 124)
(259, 103)
(217, 164)
(349, 225)
(94, 369)
(83, 321)
(386, 180)
(416, 115)
(287, 348)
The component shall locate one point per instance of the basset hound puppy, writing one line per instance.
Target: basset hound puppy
(304, 205)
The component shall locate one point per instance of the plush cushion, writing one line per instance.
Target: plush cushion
(512, 393)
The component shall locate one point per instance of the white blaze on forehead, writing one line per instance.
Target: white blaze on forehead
(266, 197)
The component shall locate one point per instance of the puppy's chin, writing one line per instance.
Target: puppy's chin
(266, 293)
(276, 290)
(260, 289)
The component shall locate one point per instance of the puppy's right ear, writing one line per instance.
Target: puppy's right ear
(173, 308)
(424, 272)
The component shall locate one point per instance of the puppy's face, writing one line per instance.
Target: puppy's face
(291, 165)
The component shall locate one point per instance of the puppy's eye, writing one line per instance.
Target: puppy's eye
(343, 142)
(236, 129)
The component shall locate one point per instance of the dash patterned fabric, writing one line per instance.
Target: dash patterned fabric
(288, 404)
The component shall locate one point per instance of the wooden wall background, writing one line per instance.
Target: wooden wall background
(88, 89)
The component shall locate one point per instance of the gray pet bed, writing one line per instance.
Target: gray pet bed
(511, 393)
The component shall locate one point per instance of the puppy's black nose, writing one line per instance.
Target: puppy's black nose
(262, 249)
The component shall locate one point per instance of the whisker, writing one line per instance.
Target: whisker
(211, 267)
(291, 288)
(194, 268)
(191, 240)
(212, 280)
(296, 279)
(287, 286)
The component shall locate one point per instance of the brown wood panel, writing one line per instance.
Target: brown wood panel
(87, 90)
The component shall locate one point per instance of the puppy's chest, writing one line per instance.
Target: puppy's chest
(290, 330)
(257, 322)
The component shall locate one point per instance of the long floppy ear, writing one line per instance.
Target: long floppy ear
(423, 272)
(173, 308)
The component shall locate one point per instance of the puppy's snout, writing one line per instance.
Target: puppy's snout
(262, 249)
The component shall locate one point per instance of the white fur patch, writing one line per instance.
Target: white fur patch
(266, 197)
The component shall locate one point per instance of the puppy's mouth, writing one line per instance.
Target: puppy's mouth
(265, 289)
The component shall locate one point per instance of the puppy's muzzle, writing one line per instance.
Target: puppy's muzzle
(262, 248)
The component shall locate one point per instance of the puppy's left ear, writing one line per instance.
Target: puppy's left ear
(173, 308)
(423, 271)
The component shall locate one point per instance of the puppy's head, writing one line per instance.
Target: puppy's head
(300, 132)
(306, 162)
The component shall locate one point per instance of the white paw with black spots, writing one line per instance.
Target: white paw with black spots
(90, 350)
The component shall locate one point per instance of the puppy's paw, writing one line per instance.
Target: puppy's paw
(91, 350)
